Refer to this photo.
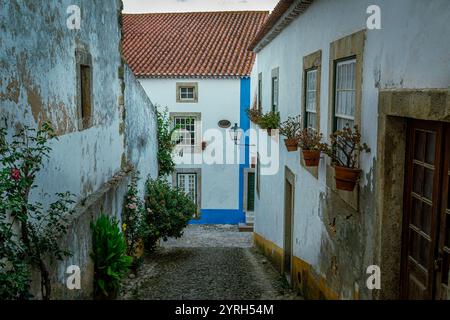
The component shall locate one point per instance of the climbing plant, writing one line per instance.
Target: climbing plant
(166, 144)
(29, 232)
(134, 224)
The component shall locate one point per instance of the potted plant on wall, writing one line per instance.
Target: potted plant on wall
(253, 115)
(290, 129)
(310, 141)
(269, 121)
(344, 152)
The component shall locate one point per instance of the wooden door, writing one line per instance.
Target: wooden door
(288, 224)
(443, 254)
(423, 234)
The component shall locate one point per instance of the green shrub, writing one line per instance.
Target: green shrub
(168, 211)
(270, 120)
(110, 261)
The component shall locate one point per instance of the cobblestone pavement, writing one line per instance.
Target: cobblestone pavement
(208, 262)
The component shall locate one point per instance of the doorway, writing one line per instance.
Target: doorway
(426, 222)
(289, 195)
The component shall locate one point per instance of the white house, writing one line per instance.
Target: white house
(394, 83)
(198, 65)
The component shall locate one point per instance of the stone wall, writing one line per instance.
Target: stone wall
(39, 81)
(141, 129)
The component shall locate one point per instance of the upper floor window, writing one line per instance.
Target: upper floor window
(275, 89)
(260, 92)
(187, 92)
(186, 126)
(345, 93)
(84, 89)
(311, 99)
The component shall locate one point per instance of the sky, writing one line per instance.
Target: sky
(145, 6)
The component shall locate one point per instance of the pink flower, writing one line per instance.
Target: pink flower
(132, 206)
(15, 174)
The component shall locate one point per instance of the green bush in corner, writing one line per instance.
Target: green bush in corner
(168, 212)
(111, 263)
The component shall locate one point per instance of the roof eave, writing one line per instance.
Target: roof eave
(273, 27)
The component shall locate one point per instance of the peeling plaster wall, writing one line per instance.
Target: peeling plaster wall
(141, 129)
(38, 82)
(409, 52)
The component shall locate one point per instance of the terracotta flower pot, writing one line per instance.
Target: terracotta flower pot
(311, 157)
(291, 144)
(346, 178)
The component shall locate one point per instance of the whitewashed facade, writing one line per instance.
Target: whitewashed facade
(218, 186)
(404, 74)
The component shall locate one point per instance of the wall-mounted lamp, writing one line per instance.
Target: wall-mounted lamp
(236, 135)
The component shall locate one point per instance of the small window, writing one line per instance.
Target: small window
(311, 99)
(345, 94)
(187, 92)
(186, 127)
(84, 88)
(85, 95)
(275, 89)
(260, 92)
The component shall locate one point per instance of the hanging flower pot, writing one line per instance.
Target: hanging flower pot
(291, 144)
(311, 158)
(290, 129)
(346, 178)
(270, 121)
(345, 149)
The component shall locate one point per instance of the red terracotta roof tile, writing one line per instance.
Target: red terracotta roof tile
(193, 44)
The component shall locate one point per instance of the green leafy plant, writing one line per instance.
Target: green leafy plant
(270, 120)
(346, 147)
(291, 127)
(253, 115)
(111, 263)
(29, 232)
(166, 144)
(134, 225)
(168, 211)
(311, 140)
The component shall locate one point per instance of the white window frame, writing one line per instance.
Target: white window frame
(308, 102)
(183, 147)
(184, 131)
(187, 93)
(189, 177)
(348, 87)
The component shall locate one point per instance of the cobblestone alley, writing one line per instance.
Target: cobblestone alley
(209, 262)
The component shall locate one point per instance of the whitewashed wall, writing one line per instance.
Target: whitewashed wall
(218, 99)
(411, 51)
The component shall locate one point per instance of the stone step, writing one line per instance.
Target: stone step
(243, 227)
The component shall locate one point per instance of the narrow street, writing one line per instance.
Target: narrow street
(208, 262)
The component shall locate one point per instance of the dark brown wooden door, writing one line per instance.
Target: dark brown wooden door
(423, 233)
(288, 211)
(443, 255)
